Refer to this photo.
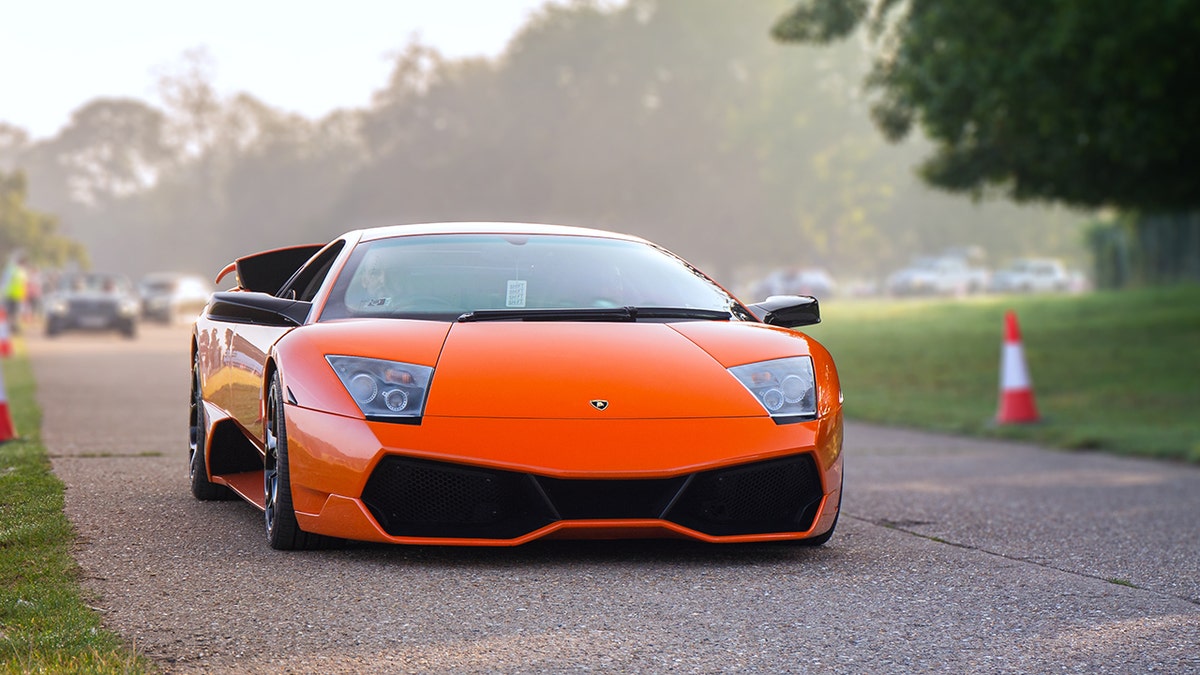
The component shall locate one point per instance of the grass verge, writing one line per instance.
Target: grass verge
(45, 624)
(1114, 371)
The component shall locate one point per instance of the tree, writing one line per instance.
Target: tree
(193, 106)
(674, 119)
(110, 149)
(33, 233)
(1091, 104)
(13, 141)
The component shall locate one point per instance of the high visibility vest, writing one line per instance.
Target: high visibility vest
(16, 284)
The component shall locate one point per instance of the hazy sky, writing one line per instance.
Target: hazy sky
(306, 56)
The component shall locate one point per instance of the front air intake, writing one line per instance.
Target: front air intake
(773, 496)
(420, 498)
(423, 498)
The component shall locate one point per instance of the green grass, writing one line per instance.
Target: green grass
(46, 625)
(1114, 371)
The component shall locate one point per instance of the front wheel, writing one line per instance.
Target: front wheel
(283, 532)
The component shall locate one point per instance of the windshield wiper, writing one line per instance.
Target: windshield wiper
(595, 314)
(564, 314)
(682, 313)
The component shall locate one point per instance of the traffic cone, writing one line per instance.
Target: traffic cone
(1016, 391)
(7, 430)
(5, 337)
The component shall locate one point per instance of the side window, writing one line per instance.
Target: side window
(308, 279)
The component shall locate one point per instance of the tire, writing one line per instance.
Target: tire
(283, 532)
(202, 488)
(53, 328)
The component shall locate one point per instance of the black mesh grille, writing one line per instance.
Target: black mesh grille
(591, 499)
(774, 496)
(97, 307)
(418, 498)
(421, 498)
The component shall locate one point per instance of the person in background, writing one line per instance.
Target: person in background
(16, 288)
(33, 293)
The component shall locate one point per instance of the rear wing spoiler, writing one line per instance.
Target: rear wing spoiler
(268, 271)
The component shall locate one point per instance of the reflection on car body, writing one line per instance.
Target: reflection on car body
(488, 384)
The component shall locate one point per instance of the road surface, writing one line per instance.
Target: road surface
(952, 555)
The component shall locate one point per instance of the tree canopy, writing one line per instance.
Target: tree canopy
(32, 233)
(1091, 104)
(677, 120)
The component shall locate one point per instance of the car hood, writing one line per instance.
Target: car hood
(554, 370)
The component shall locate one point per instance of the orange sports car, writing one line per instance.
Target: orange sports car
(488, 384)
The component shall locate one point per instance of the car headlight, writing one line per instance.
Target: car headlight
(383, 389)
(128, 307)
(56, 306)
(785, 387)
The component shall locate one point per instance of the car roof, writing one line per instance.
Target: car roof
(374, 233)
(95, 275)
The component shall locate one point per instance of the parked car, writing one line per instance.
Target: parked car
(92, 302)
(944, 275)
(1032, 275)
(804, 281)
(489, 384)
(166, 296)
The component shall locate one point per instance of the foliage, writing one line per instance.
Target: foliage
(1110, 371)
(1145, 250)
(1090, 104)
(45, 625)
(35, 234)
(679, 120)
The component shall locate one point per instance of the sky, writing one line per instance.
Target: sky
(304, 56)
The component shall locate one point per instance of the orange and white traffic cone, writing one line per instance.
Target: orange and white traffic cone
(7, 430)
(5, 337)
(1016, 390)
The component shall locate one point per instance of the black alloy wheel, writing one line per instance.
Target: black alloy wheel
(283, 532)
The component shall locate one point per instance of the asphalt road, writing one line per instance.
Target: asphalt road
(952, 555)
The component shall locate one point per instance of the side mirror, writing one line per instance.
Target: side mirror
(257, 308)
(787, 311)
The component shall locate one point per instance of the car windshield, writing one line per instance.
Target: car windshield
(93, 283)
(159, 286)
(445, 276)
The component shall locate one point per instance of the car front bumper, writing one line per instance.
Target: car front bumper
(499, 482)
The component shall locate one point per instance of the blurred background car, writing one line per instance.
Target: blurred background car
(940, 275)
(1031, 275)
(167, 297)
(92, 301)
(792, 281)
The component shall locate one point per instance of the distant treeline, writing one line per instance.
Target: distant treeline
(1146, 250)
(678, 120)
